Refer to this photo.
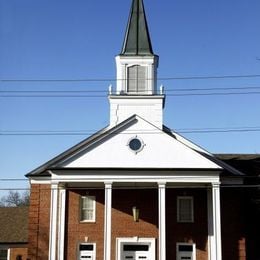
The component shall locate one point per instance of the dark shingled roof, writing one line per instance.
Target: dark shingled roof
(14, 225)
(249, 164)
(137, 39)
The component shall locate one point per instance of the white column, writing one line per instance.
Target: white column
(214, 223)
(61, 231)
(162, 222)
(53, 221)
(107, 221)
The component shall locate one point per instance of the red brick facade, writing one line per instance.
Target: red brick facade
(77, 232)
(39, 222)
(233, 225)
(123, 225)
(196, 232)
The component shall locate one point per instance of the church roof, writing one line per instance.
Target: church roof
(137, 39)
(103, 136)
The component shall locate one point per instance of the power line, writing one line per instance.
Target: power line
(113, 79)
(242, 186)
(141, 131)
(106, 91)
(103, 96)
(249, 186)
(58, 179)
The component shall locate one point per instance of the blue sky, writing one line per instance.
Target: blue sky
(53, 39)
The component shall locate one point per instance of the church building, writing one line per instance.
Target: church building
(135, 189)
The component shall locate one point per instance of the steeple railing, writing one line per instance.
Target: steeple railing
(157, 92)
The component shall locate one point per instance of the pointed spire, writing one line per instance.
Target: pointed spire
(137, 39)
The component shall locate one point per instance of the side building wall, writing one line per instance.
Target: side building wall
(233, 224)
(39, 222)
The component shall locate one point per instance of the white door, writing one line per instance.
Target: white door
(87, 251)
(136, 251)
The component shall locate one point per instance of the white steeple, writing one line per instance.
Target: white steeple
(136, 88)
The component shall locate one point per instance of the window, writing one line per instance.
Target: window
(88, 209)
(136, 144)
(185, 209)
(3, 254)
(136, 79)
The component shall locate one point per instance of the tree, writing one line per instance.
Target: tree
(15, 199)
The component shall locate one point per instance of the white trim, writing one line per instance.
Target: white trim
(53, 221)
(211, 250)
(217, 219)
(214, 223)
(107, 221)
(162, 221)
(61, 231)
(8, 254)
(104, 176)
(93, 220)
(179, 220)
(121, 240)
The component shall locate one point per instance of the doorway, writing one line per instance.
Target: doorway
(135, 248)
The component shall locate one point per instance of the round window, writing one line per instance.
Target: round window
(135, 144)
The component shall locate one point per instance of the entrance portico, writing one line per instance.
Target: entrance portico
(209, 182)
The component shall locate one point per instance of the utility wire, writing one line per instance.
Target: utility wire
(90, 132)
(103, 96)
(113, 79)
(55, 179)
(106, 91)
(241, 186)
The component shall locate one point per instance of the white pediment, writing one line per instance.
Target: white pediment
(160, 150)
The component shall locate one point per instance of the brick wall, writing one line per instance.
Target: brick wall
(123, 224)
(122, 219)
(232, 222)
(196, 232)
(39, 220)
(77, 232)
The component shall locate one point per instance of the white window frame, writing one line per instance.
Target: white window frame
(179, 198)
(85, 243)
(94, 209)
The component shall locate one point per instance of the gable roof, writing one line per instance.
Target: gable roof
(14, 225)
(105, 134)
(93, 138)
(137, 39)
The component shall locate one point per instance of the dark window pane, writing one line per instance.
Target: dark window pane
(86, 247)
(186, 248)
(136, 247)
